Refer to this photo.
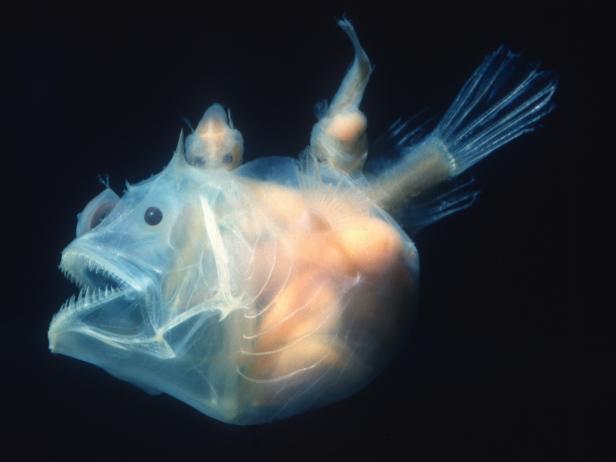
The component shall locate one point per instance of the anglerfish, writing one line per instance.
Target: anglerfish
(256, 291)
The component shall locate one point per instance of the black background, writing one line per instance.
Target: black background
(486, 372)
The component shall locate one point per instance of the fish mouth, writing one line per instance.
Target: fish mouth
(110, 302)
(98, 281)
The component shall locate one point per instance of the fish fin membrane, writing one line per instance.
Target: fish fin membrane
(447, 199)
(504, 98)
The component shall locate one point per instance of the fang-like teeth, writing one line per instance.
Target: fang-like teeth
(84, 272)
(87, 298)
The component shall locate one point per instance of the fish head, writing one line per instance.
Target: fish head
(149, 280)
(215, 143)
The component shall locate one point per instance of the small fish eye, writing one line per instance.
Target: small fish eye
(227, 158)
(153, 216)
(198, 162)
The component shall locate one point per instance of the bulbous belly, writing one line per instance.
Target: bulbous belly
(333, 292)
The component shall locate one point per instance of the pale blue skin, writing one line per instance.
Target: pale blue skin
(180, 289)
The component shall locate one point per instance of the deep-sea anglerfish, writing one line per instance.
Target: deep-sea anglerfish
(256, 291)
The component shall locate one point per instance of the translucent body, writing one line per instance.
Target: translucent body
(266, 287)
(280, 285)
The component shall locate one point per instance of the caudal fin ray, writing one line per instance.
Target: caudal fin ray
(503, 99)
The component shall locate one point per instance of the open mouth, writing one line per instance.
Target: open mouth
(109, 307)
(97, 281)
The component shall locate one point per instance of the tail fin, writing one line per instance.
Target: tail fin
(503, 99)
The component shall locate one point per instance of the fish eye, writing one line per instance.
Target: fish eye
(153, 216)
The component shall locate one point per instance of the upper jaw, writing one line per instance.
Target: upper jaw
(100, 281)
(95, 268)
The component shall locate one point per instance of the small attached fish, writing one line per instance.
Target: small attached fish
(257, 291)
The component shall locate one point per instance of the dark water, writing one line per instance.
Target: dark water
(486, 372)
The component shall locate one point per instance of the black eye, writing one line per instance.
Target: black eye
(153, 216)
(227, 158)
